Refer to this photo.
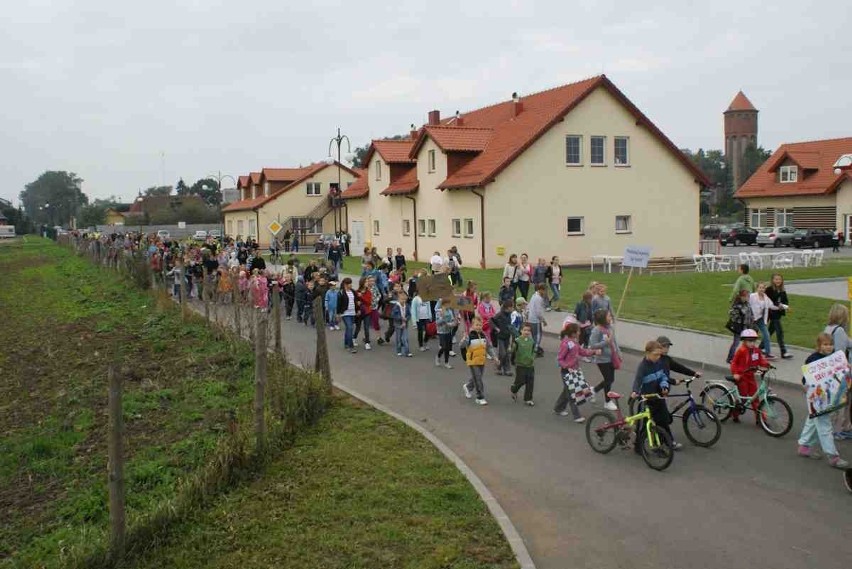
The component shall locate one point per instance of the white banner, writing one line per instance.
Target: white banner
(827, 381)
(636, 256)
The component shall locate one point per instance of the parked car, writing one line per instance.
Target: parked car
(711, 231)
(215, 233)
(776, 236)
(813, 238)
(163, 234)
(200, 234)
(322, 242)
(738, 236)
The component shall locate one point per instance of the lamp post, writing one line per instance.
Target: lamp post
(219, 177)
(335, 204)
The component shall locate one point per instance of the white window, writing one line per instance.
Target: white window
(240, 227)
(313, 188)
(406, 227)
(307, 224)
(468, 227)
(457, 228)
(375, 227)
(431, 224)
(252, 228)
(575, 226)
(421, 227)
(788, 174)
(784, 217)
(598, 151)
(231, 227)
(623, 224)
(378, 168)
(622, 151)
(574, 150)
(266, 188)
(431, 160)
(758, 218)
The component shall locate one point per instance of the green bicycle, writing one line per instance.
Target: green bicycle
(605, 430)
(774, 415)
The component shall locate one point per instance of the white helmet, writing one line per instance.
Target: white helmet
(748, 334)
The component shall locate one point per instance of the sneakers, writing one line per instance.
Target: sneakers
(564, 413)
(448, 366)
(513, 394)
(610, 406)
(481, 402)
(498, 372)
(399, 354)
(354, 342)
(437, 361)
(787, 356)
(425, 348)
(587, 359)
(409, 355)
(367, 346)
(380, 340)
(804, 451)
(422, 348)
(452, 354)
(676, 445)
(353, 351)
(529, 403)
(580, 420)
(467, 392)
(508, 373)
(837, 462)
(593, 399)
(771, 357)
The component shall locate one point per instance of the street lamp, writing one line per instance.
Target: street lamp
(843, 164)
(335, 202)
(219, 177)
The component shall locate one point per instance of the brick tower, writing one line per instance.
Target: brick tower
(740, 131)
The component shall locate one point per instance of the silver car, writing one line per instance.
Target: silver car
(776, 236)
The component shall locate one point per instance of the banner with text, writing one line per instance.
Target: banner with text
(636, 256)
(827, 384)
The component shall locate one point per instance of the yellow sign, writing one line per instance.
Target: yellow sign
(849, 287)
(274, 227)
(501, 251)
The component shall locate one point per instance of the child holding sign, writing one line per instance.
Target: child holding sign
(819, 427)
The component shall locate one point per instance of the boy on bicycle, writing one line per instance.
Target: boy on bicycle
(746, 359)
(651, 377)
(671, 365)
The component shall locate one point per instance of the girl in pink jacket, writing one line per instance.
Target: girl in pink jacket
(570, 352)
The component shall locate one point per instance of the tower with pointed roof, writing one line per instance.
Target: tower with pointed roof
(740, 131)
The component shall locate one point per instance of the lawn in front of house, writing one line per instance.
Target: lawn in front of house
(697, 301)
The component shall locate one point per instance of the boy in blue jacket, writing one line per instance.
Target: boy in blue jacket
(651, 377)
(331, 306)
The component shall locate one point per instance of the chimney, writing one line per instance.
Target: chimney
(434, 118)
(459, 119)
(413, 132)
(517, 105)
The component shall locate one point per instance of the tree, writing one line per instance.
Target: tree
(753, 158)
(95, 213)
(159, 191)
(53, 198)
(359, 154)
(208, 190)
(182, 189)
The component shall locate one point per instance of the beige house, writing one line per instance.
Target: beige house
(297, 198)
(574, 171)
(798, 187)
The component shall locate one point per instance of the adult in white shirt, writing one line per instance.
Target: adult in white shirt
(760, 306)
(437, 262)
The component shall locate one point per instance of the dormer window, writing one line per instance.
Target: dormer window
(378, 169)
(788, 174)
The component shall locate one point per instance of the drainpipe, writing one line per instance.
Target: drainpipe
(257, 225)
(481, 225)
(414, 225)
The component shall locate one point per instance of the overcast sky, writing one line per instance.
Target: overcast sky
(130, 94)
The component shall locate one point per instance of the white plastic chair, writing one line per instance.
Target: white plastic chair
(709, 262)
(818, 255)
(756, 260)
(698, 263)
(744, 258)
(807, 258)
(782, 261)
(724, 263)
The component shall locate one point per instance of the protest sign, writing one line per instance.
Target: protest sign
(636, 256)
(434, 287)
(461, 302)
(827, 384)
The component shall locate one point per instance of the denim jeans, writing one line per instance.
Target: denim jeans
(776, 328)
(402, 341)
(348, 328)
(475, 382)
(818, 428)
(503, 363)
(734, 345)
(554, 288)
(536, 333)
(765, 344)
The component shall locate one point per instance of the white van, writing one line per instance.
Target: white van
(7, 231)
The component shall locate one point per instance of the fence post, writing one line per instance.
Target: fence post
(276, 315)
(116, 464)
(260, 355)
(321, 364)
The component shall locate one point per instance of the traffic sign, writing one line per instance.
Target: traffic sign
(274, 227)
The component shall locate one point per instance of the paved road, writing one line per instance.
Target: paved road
(835, 290)
(748, 502)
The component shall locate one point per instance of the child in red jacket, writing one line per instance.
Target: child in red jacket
(747, 357)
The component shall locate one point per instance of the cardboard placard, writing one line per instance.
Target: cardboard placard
(827, 382)
(434, 287)
(460, 302)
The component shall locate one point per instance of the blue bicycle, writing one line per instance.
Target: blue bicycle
(701, 425)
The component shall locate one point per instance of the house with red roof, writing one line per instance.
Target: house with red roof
(297, 198)
(802, 186)
(573, 171)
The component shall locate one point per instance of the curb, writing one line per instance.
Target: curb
(506, 525)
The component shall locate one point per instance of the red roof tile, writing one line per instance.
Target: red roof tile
(407, 183)
(243, 204)
(512, 135)
(255, 177)
(392, 151)
(360, 188)
(283, 174)
(243, 182)
(741, 103)
(817, 160)
(454, 138)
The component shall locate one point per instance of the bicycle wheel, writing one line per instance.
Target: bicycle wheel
(718, 399)
(775, 416)
(702, 426)
(658, 452)
(601, 439)
(847, 478)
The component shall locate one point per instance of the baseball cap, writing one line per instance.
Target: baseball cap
(664, 341)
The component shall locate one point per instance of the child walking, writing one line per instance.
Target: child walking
(603, 338)
(524, 366)
(422, 312)
(400, 316)
(447, 321)
(331, 299)
(819, 428)
(477, 349)
(569, 355)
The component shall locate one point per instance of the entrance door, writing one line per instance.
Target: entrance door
(357, 237)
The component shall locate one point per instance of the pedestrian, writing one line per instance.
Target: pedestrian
(348, 308)
(178, 273)
(486, 311)
(554, 278)
(761, 305)
(569, 355)
(364, 310)
(835, 241)
(400, 317)
(600, 299)
(308, 316)
(387, 313)
(511, 271)
(506, 292)
(524, 366)
(838, 326)
(259, 290)
(583, 313)
(670, 364)
(288, 291)
(740, 317)
(747, 358)
(472, 300)
(524, 275)
(743, 282)
(778, 295)
(446, 321)
(436, 262)
(819, 428)
(399, 263)
(503, 333)
(331, 306)
(539, 276)
(603, 338)
(477, 348)
(422, 314)
(300, 294)
(535, 316)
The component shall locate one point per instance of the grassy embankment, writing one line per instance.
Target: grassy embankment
(698, 301)
(66, 321)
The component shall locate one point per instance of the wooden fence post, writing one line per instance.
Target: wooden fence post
(260, 356)
(276, 315)
(116, 464)
(321, 364)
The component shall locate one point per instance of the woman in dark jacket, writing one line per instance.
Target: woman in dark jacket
(778, 295)
(740, 317)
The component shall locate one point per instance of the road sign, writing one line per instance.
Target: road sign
(274, 227)
(636, 256)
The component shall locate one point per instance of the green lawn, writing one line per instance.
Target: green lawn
(697, 301)
(359, 490)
